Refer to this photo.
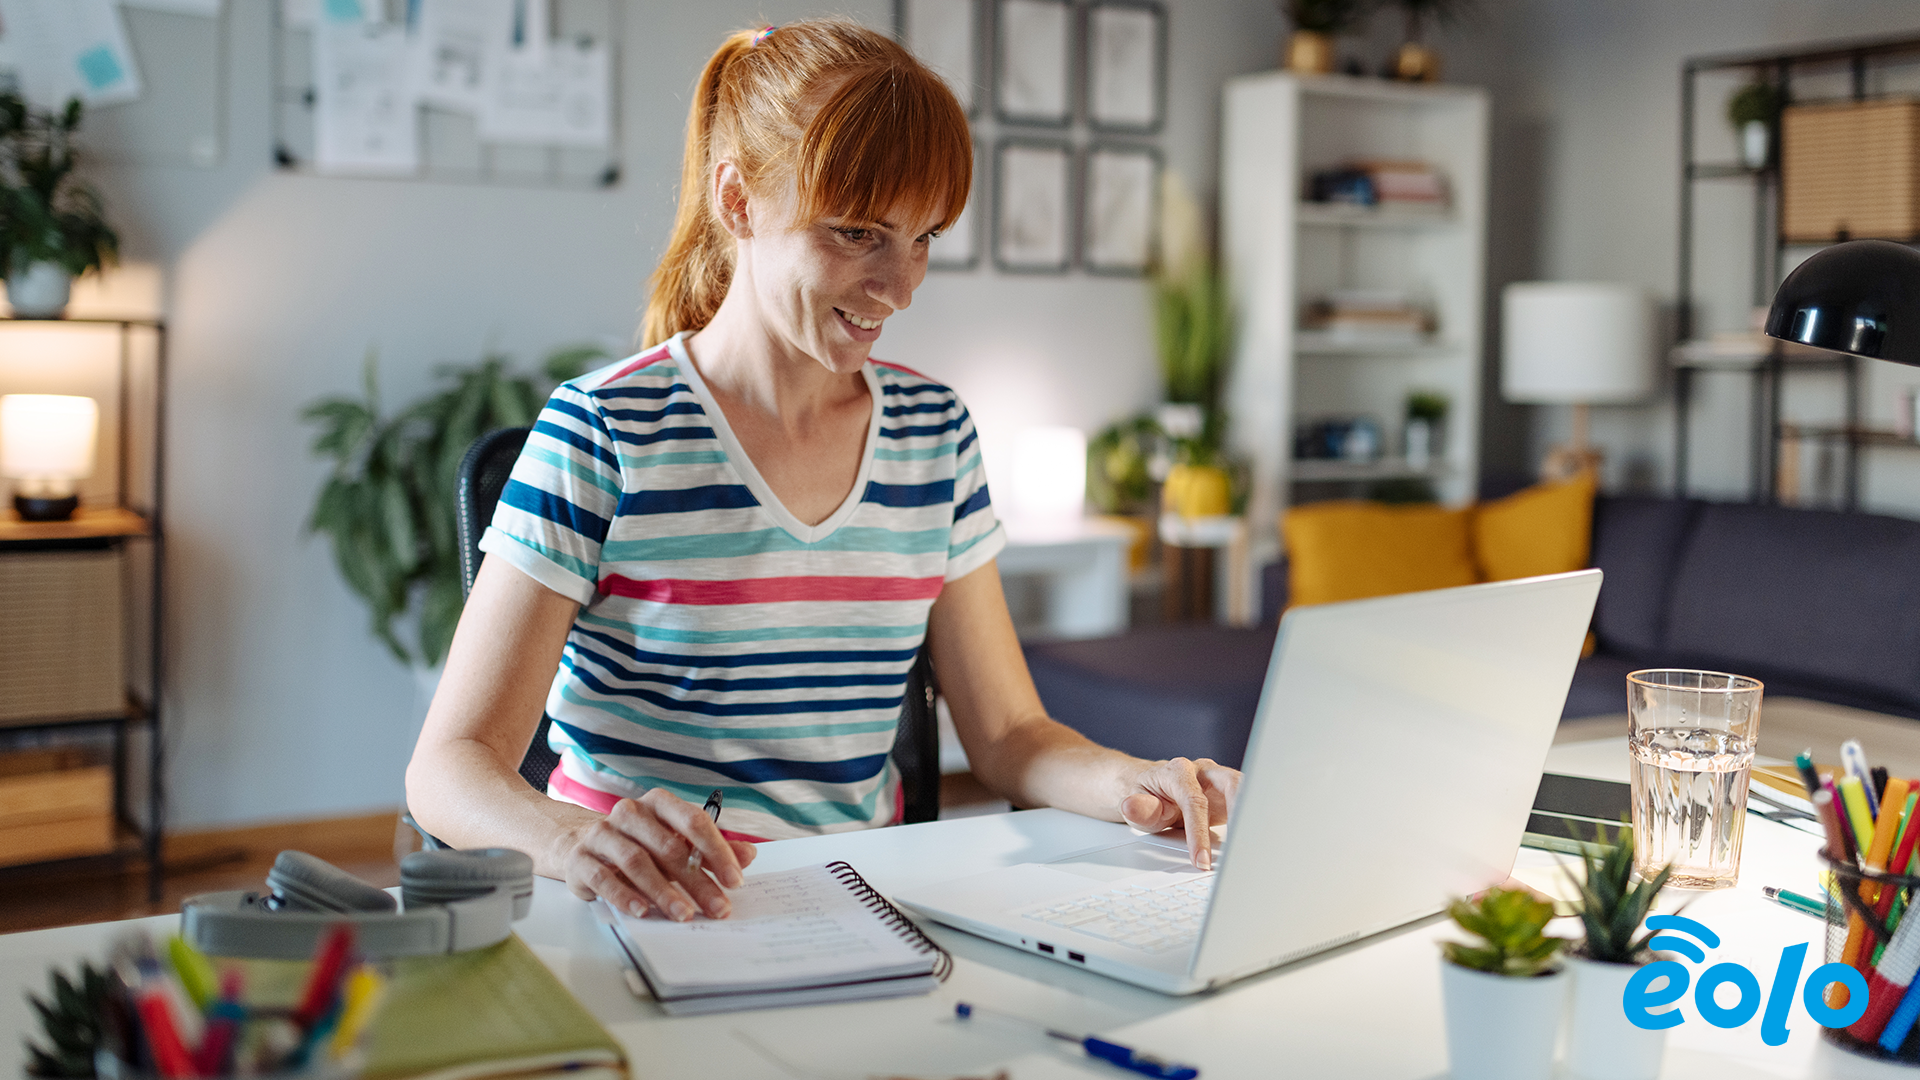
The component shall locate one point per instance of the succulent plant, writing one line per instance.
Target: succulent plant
(71, 1022)
(1510, 923)
(1612, 906)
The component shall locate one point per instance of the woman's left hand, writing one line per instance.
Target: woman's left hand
(1197, 793)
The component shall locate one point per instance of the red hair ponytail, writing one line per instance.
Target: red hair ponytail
(888, 133)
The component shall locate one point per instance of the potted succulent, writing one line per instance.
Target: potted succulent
(52, 229)
(1423, 438)
(389, 505)
(1505, 991)
(1602, 1044)
(1316, 23)
(1415, 61)
(1754, 111)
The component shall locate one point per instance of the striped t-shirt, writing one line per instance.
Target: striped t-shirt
(722, 643)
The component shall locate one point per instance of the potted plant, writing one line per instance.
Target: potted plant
(52, 229)
(1754, 110)
(389, 506)
(1414, 61)
(1315, 24)
(1602, 1044)
(1505, 991)
(1191, 329)
(1422, 439)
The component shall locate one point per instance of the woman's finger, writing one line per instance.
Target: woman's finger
(631, 841)
(691, 822)
(669, 849)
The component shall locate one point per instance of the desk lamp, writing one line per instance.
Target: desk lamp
(1579, 344)
(46, 443)
(1860, 297)
(1049, 490)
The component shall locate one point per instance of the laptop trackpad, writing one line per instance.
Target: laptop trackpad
(1126, 860)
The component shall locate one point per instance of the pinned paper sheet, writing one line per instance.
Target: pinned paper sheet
(364, 121)
(557, 98)
(63, 49)
(455, 43)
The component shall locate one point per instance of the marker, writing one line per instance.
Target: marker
(1854, 760)
(1807, 776)
(1806, 905)
(1111, 1052)
(713, 811)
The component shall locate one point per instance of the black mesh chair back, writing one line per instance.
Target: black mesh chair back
(916, 744)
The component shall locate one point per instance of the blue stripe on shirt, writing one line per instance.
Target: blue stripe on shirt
(551, 507)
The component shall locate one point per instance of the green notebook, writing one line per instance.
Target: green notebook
(496, 1011)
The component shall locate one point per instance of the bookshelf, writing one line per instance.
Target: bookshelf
(1280, 252)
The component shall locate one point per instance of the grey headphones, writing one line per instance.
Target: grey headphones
(450, 901)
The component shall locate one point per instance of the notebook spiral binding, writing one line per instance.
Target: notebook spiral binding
(892, 916)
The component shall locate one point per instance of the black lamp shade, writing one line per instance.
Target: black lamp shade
(1860, 297)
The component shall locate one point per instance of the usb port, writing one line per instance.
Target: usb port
(1045, 948)
(1078, 958)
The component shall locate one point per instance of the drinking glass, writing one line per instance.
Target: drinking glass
(1691, 736)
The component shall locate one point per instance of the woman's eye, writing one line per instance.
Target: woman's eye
(857, 235)
(927, 238)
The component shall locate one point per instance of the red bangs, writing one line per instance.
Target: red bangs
(892, 139)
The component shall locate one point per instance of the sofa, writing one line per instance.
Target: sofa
(1820, 605)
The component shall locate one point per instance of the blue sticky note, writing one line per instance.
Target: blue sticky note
(345, 11)
(100, 67)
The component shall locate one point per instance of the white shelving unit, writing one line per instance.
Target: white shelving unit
(1280, 253)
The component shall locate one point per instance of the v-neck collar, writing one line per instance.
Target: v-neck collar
(743, 465)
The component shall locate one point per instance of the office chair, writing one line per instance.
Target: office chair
(916, 744)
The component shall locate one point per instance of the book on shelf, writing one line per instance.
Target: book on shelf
(798, 937)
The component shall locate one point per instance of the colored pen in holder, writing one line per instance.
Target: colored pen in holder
(1867, 930)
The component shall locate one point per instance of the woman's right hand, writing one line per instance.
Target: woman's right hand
(635, 858)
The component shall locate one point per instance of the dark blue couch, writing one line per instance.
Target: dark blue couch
(1815, 603)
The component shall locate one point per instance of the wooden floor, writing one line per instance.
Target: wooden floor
(368, 846)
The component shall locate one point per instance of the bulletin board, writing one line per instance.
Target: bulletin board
(451, 149)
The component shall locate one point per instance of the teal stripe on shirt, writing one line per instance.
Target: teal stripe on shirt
(674, 457)
(823, 812)
(864, 540)
(914, 453)
(751, 634)
(577, 567)
(572, 468)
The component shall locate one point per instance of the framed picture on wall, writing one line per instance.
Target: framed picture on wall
(1033, 62)
(959, 247)
(1126, 66)
(1033, 206)
(1119, 209)
(945, 35)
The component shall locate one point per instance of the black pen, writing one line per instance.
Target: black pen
(713, 811)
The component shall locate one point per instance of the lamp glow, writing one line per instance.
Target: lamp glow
(47, 443)
(1049, 478)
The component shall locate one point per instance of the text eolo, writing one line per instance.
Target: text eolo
(1642, 998)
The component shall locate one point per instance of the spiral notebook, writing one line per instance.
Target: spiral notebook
(799, 937)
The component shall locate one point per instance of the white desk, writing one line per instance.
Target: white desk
(1368, 1010)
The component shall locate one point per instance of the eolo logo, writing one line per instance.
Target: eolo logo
(1642, 998)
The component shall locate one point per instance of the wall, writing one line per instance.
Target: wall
(282, 705)
(1590, 94)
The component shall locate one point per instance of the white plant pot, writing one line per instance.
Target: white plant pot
(1499, 1027)
(1602, 1044)
(40, 291)
(1753, 144)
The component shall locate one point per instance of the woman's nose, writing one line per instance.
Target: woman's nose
(895, 279)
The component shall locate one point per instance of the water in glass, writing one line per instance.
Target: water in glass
(1690, 804)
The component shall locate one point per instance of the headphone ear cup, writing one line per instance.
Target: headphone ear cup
(305, 883)
(444, 875)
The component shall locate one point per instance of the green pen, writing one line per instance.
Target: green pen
(1806, 905)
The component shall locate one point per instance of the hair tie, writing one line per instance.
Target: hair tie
(761, 36)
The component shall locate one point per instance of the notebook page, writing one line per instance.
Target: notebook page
(797, 928)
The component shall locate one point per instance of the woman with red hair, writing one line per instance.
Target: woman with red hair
(716, 560)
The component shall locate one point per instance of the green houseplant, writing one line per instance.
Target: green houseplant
(1316, 23)
(1505, 989)
(1415, 61)
(1754, 112)
(1603, 1044)
(388, 507)
(52, 226)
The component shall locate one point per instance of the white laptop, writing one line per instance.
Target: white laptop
(1392, 765)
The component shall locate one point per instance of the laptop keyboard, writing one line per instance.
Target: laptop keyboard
(1151, 920)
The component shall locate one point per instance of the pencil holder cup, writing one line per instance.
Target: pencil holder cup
(1865, 909)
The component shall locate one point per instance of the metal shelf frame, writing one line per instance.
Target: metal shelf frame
(1767, 377)
(142, 708)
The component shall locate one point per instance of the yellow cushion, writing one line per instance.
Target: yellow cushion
(1545, 529)
(1349, 550)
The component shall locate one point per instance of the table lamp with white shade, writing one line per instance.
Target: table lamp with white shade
(1049, 481)
(46, 444)
(1578, 344)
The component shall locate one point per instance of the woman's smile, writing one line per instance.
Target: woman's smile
(863, 329)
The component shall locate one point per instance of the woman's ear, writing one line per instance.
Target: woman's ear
(730, 200)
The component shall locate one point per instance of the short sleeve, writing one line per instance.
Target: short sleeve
(564, 490)
(977, 535)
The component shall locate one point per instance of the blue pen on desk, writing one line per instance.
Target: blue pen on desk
(1126, 1057)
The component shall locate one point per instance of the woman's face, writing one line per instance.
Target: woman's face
(825, 288)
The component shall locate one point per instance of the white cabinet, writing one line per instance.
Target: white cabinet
(1281, 253)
